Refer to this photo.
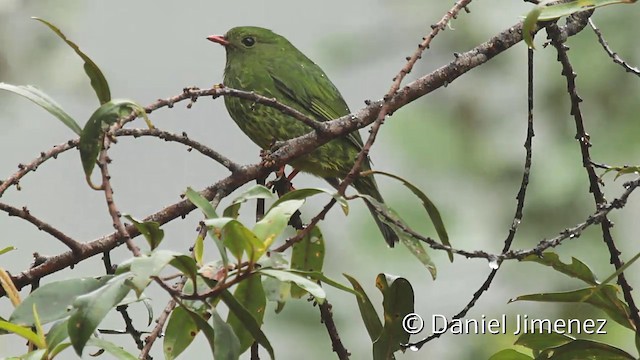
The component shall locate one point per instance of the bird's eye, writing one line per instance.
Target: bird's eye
(248, 41)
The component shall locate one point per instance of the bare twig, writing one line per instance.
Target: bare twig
(24, 213)
(111, 205)
(157, 330)
(182, 139)
(594, 185)
(612, 54)
(327, 319)
(386, 109)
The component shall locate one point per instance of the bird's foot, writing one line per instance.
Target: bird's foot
(267, 154)
(267, 159)
(282, 183)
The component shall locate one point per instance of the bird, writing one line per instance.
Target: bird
(261, 61)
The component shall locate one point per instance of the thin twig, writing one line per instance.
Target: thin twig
(103, 160)
(517, 218)
(157, 330)
(182, 139)
(25, 214)
(594, 185)
(612, 54)
(386, 108)
(326, 315)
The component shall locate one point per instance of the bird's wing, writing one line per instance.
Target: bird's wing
(318, 96)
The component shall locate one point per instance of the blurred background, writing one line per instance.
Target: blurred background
(462, 145)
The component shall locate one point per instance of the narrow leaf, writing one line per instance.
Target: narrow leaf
(92, 308)
(510, 354)
(113, 349)
(54, 299)
(149, 229)
(314, 289)
(302, 194)
(307, 255)
(254, 192)
(250, 294)
(92, 135)
(577, 269)
(249, 322)
(429, 206)
(180, 332)
(45, 102)
(98, 81)
(605, 298)
(275, 221)
(397, 303)
(23, 332)
(227, 345)
(414, 245)
(367, 311)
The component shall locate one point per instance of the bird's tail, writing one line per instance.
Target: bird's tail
(367, 185)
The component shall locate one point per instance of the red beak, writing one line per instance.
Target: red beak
(220, 39)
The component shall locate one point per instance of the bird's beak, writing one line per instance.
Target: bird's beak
(220, 39)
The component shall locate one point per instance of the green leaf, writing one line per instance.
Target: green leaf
(45, 102)
(210, 213)
(23, 332)
(237, 238)
(586, 349)
(314, 289)
(149, 229)
(98, 81)
(227, 345)
(57, 350)
(545, 12)
(429, 206)
(414, 245)
(397, 303)
(92, 135)
(275, 221)
(510, 354)
(186, 264)
(34, 355)
(622, 170)
(318, 276)
(144, 267)
(254, 192)
(538, 341)
(54, 299)
(201, 203)
(111, 348)
(250, 294)
(7, 249)
(180, 332)
(577, 269)
(367, 311)
(250, 323)
(91, 308)
(606, 299)
(277, 291)
(307, 255)
(57, 334)
(301, 194)
(529, 26)
(198, 249)
(206, 329)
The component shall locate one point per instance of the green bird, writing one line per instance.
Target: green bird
(266, 63)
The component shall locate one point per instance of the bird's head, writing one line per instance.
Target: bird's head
(251, 40)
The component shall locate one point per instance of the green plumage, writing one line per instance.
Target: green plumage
(264, 62)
